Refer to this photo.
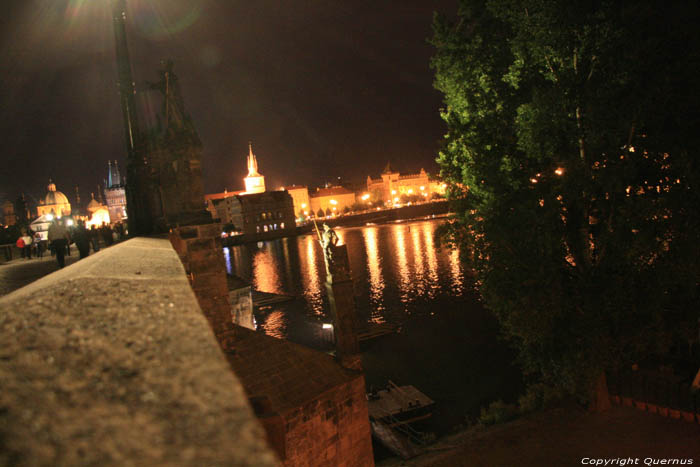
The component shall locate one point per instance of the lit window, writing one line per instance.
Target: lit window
(282, 225)
(265, 228)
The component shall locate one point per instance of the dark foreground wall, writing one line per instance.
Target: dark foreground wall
(111, 362)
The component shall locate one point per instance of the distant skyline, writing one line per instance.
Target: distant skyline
(322, 89)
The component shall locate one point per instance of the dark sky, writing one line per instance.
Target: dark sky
(323, 88)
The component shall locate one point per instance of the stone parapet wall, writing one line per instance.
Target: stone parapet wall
(110, 361)
(332, 430)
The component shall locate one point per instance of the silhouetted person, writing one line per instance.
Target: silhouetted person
(38, 247)
(95, 238)
(81, 237)
(59, 239)
(107, 234)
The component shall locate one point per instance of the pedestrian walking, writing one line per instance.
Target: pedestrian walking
(81, 237)
(27, 241)
(59, 239)
(95, 238)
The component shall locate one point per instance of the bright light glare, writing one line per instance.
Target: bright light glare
(327, 326)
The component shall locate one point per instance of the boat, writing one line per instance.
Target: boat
(392, 410)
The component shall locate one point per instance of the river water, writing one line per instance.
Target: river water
(448, 344)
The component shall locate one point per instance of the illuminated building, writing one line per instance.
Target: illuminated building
(393, 185)
(54, 202)
(254, 182)
(332, 200)
(115, 193)
(97, 213)
(8, 213)
(302, 204)
(255, 213)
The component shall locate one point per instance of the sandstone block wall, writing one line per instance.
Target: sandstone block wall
(332, 430)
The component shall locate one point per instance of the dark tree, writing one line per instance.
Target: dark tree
(572, 169)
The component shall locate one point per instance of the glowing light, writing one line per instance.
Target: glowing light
(410, 191)
(303, 205)
(49, 217)
(376, 281)
(365, 197)
(631, 149)
(327, 326)
(559, 171)
(333, 202)
(69, 222)
(393, 192)
(533, 180)
(396, 200)
(422, 188)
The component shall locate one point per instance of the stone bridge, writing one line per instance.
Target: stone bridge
(111, 362)
(131, 357)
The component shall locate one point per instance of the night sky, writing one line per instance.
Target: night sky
(323, 88)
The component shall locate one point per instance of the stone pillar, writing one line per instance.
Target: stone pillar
(342, 302)
(200, 250)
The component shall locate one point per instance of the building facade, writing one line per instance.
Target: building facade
(302, 204)
(115, 193)
(333, 200)
(55, 203)
(8, 213)
(254, 182)
(267, 215)
(394, 187)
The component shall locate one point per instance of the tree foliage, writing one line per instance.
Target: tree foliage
(571, 163)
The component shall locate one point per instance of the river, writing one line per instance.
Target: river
(448, 344)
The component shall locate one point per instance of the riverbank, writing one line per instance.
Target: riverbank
(431, 209)
(566, 436)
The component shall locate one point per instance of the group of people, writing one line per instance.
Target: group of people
(60, 237)
(30, 243)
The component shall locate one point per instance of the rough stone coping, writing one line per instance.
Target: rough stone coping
(110, 361)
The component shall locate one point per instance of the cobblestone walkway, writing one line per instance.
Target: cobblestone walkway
(20, 272)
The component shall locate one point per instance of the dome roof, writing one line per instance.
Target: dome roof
(53, 196)
(94, 205)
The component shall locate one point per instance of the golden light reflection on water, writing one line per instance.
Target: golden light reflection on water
(376, 280)
(433, 279)
(402, 262)
(266, 272)
(398, 270)
(456, 270)
(275, 324)
(310, 277)
(419, 268)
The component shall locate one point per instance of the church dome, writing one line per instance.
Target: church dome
(53, 196)
(93, 205)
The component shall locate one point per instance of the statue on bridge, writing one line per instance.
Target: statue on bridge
(334, 255)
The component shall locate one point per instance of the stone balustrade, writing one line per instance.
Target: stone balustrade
(110, 361)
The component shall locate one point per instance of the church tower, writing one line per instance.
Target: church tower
(254, 182)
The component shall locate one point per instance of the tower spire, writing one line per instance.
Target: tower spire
(252, 161)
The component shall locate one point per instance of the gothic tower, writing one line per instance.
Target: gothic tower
(254, 182)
